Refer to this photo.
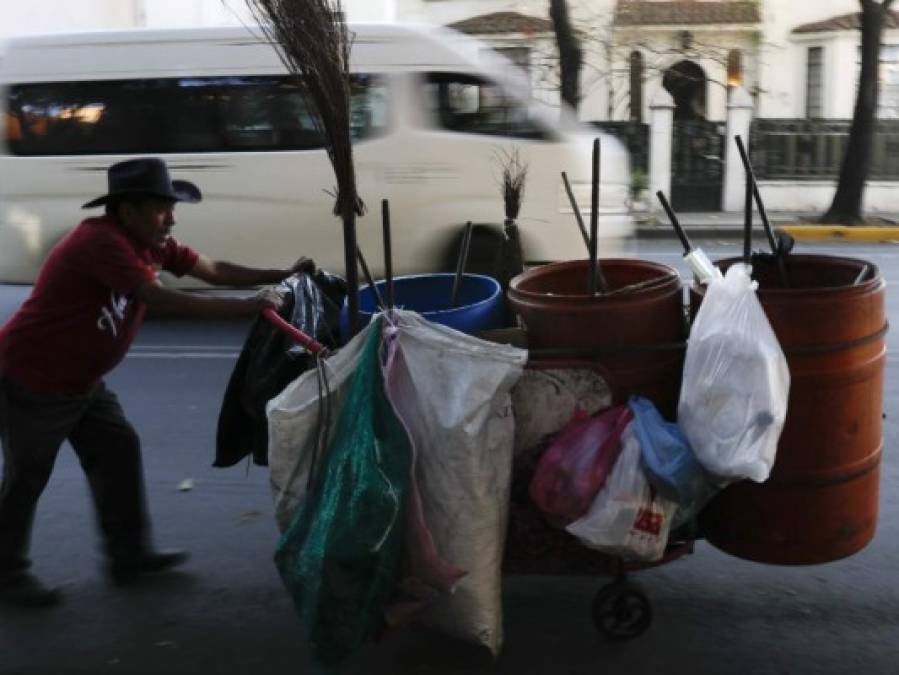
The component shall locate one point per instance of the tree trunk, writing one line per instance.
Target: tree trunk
(569, 52)
(846, 207)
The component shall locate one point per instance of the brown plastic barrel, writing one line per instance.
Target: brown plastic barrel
(820, 502)
(636, 334)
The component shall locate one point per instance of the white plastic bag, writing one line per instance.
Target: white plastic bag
(733, 399)
(452, 392)
(293, 422)
(628, 518)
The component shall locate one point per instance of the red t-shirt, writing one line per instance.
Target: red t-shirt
(82, 315)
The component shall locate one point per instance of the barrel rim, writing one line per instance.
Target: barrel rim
(518, 293)
(489, 281)
(877, 280)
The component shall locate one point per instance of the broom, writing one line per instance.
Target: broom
(311, 38)
(513, 175)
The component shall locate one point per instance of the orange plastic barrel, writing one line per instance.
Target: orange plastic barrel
(635, 333)
(820, 502)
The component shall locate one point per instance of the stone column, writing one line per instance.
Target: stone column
(739, 119)
(661, 130)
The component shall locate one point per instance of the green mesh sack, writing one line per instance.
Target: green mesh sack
(340, 556)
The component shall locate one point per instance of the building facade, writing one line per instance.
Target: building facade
(796, 59)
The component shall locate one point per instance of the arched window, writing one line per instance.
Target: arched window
(636, 88)
(734, 68)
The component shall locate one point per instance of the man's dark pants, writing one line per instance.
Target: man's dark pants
(33, 426)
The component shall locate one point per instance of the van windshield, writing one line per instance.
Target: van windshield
(473, 105)
(178, 115)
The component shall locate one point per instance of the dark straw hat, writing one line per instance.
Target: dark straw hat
(147, 176)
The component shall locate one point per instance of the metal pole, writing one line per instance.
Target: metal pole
(747, 222)
(769, 232)
(368, 277)
(747, 165)
(388, 252)
(460, 264)
(597, 280)
(682, 235)
(577, 210)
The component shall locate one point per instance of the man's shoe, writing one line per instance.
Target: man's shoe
(25, 590)
(128, 569)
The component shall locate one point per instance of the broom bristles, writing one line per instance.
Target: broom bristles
(313, 42)
(514, 172)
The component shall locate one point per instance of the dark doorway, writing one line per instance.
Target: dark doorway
(697, 165)
(686, 82)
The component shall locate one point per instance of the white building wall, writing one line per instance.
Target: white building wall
(179, 13)
(49, 16)
(783, 58)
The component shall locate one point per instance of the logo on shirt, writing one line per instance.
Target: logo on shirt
(113, 314)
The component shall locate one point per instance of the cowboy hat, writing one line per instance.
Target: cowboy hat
(146, 176)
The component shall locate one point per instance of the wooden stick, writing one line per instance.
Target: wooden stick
(577, 210)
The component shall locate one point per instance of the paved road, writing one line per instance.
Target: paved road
(226, 613)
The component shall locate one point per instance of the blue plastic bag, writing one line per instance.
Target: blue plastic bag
(668, 460)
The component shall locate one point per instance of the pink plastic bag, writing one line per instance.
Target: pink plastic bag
(576, 464)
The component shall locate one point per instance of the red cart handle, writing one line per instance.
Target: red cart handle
(293, 333)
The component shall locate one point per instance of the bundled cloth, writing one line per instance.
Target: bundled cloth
(269, 361)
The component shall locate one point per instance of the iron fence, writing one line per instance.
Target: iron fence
(799, 149)
(635, 136)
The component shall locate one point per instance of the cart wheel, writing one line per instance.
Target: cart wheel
(621, 611)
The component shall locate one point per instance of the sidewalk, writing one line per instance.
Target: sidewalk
(725, 225)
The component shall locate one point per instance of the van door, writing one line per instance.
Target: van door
(448, 168)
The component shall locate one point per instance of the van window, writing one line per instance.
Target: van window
(148, 116)
(473, 105)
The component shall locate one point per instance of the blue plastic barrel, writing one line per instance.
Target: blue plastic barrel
(479, 306)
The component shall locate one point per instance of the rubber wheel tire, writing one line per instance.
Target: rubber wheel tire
(621, 611)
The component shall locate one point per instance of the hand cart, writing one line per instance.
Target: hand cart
(620, 609)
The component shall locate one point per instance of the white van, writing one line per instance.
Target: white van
(431, 109)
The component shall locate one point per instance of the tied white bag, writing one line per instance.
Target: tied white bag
(628, 518)
(293, 423)
(452, 392)
(736, 382)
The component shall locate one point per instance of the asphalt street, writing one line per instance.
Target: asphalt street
(227, 613)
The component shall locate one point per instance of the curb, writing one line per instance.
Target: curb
(697, 232)
(841, 232)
